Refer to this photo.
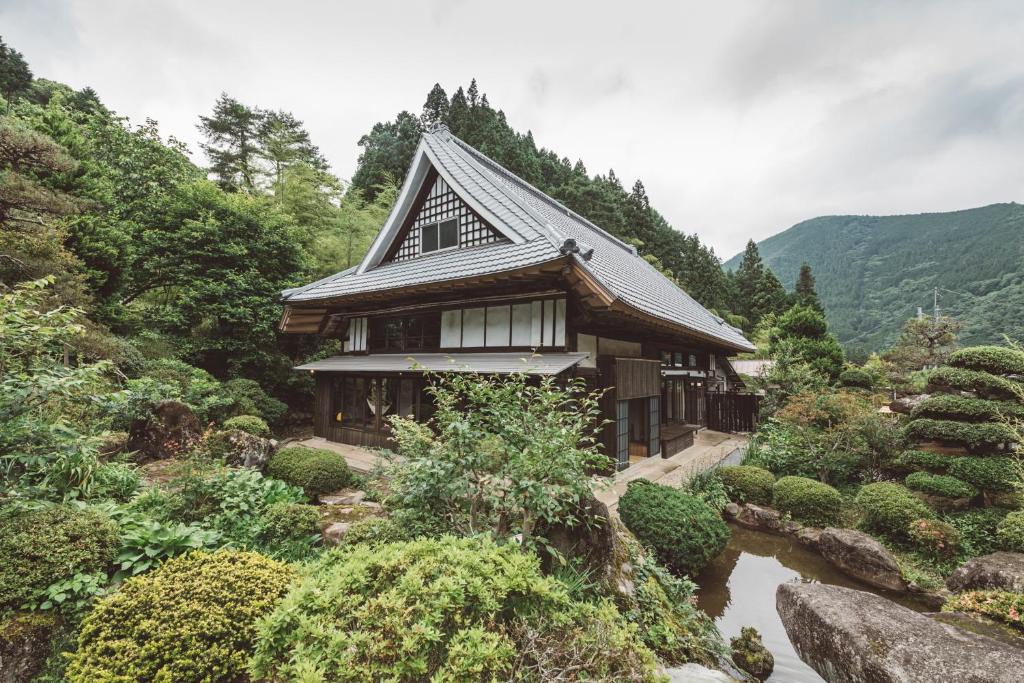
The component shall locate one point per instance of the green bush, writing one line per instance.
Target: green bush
(998, 360)
(807, 500)
(1001, 605)
(968, 409)
(995, 475)
(747, 484)
(890, 508)
(684, 532)
(246, 397)
(375, 531)
(249, 424)
(448, 609)
(975, 436)
(939, 485)
(708, 486)
(1010, 532)
(284, 523)
(977, 529)
(987, 385)
(911, 461)
(41, 547)
(316, 471)
(193, 619)
(116, 481)
(855, 377)
(936, 539)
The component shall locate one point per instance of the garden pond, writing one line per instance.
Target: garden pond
(738, 589)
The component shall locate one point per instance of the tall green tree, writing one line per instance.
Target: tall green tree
(15, 76)
(801, 334)
(435, 109)
(387, 153)
(805, 294)
(284, 142)
(232, 143)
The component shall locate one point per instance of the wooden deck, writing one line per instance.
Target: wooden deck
(708, 450)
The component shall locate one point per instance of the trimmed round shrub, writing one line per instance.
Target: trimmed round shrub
(448, 609)
(747, 484)
(911, 461)
(968, 409)
(317, 471)
(41, 547)
(890, 508)
(684, 532)
(1010, 532)
(855, 377)
(935, 538)
(998, 360)
(939, 485)
(985, 384)
(192, 619)
(807, 500)
(287, 522)
(995, 475)
(973, 435)
(250, 424)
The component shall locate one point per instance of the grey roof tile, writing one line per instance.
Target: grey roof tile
(501, 363)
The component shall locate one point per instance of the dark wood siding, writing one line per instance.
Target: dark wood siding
(322, 417)
(636, 378)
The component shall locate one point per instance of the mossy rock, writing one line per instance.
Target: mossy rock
(750, 654)
(25, 644)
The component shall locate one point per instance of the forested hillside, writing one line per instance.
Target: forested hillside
(872, 272)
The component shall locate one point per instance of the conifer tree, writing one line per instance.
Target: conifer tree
(435, 109)
(15, 76)
(284, 142)
(805, 293)
(232, 143)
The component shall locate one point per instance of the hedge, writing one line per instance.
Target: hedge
(684, 532)
(998, 360)
(910, 461)
(192, 619)
(940, 485)
(974, 435)
(995, 475)
(971, 380)
(250, 424)
(41, 547)
(283, 523)
(317, 471)
(1010, 532)
(968, 409)
(807, 500)
(890, 508)
(747, 484)
(855, 377)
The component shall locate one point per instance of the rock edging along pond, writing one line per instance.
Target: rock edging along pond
(851, 636)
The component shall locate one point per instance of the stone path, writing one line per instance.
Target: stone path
(708, 450)
(361, 460)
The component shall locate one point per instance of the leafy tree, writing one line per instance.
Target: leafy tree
(802, 333)
(756, 290)
(285, 142)
(924, 343)
(15, 76)
(232, 143)
(805, 293)
(387, 153)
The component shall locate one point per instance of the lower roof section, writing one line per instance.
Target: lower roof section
(497, 363)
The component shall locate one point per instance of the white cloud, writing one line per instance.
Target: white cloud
(741, 118)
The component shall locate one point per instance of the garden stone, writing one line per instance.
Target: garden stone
(24, 646)
(998, 571)
(343, 498)
(731, 510)
(170, 429)
(851, 636)
(761, 518)
(809, 536)
(906, 404)
(695, 673)
(333, 533)
(592, 542)
(248, 450)
(862, 557)
(751, 655)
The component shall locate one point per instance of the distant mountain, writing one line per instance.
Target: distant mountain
(874, 271)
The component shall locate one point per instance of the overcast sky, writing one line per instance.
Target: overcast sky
(741, 118)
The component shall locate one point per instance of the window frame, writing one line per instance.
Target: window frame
(437, 226)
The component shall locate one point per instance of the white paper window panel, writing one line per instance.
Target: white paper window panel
(473, 326)
(522, 317)
(536, 314)
(451, 329)
(356, 335)
(499, 321)
(548, 329)
(559, 322)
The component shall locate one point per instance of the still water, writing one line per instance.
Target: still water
(738, 589)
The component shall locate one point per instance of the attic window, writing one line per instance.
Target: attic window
(438, 236)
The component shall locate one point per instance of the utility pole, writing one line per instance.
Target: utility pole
(935, 304)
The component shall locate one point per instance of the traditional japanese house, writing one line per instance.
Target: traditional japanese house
(476, 270)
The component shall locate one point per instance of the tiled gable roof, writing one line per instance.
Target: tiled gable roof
(539, 225)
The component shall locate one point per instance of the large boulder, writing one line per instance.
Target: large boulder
(862, 557)
(751, 655)
(592, 541)
(998, 571)
(906, 404)
(170, 429)
(240, 449)
(24, 646)
(850, 636)
(759, 518)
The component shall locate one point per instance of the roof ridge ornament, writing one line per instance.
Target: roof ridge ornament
(570, 246)
(440, 128)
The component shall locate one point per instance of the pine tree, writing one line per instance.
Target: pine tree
(284, 142)
(747, 280)
(458, 112)
(232, 143)
(15, 76)
(435, 109)
(805, 293)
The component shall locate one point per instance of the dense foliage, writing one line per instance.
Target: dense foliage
(872, 273)
(985, 384)
(315, 470)
(248, 423)
(747, 484)
(939, 485)
(997, 360)
(1010, 532)
(994, 475)
(968, 408)
(1000, 605)
(890, 508)
(682, 530)
(802, 333)
(444, 610)
(193, 619)
(807, 500)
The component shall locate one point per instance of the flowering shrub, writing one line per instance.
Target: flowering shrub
(1001, 605)
(935, 538)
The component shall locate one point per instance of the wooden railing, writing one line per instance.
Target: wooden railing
(732, 412)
